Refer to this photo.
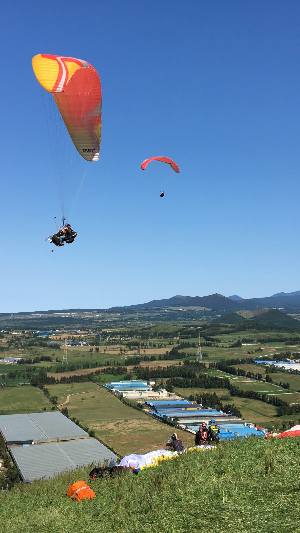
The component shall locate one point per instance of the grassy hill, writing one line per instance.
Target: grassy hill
(276, 318)
(230, 318)
(250, 486)
(269, 317)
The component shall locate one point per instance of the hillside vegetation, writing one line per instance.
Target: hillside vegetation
(269, 317)
(250, 486)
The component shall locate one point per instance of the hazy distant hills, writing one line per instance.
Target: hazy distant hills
(281, 302)
(217, 303)
(175, 300)
(296, 293)
(222, 304)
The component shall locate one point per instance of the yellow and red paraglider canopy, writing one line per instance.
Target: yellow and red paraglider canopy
(76, 89)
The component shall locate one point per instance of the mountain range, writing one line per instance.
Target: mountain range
(287, 302)
(217, 302)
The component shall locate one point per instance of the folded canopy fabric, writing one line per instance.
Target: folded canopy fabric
(139, 461)
(293, 432)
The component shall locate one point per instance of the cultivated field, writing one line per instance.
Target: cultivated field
(122, 428)
(23, 399)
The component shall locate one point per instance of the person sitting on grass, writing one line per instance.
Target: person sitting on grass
(175, 443)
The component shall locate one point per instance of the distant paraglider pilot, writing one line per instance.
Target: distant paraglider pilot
(162, 194)
(65, 234)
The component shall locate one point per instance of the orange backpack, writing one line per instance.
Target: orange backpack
(80, 491)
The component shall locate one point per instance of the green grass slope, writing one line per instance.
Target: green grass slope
(251, 486)
(230, 318)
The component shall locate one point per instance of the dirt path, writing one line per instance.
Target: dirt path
(68, 398)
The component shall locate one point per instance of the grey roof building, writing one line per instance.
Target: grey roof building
(39, 427)
(47, 460)
(45, 444)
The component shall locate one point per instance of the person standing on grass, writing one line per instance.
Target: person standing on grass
(201, 436)
(213, 432)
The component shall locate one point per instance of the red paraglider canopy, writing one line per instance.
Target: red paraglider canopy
(167, 160)
(293, 432)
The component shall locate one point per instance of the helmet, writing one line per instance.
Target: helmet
(175, 436)
(204, 425)
(212, 421)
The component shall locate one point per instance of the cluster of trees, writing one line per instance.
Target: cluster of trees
(173, 354)
(189, 370)
(53, 399)
(141, 358)
(204, 381)
(187, 376)
(288, 409)
(4, 348)
(11, 476)
(213, 400)
(160, 372)
(115, 371)
(278, 338)
(284, 385)
(21, 342)
(208, 338)
(39, 379)
(273, 400)
(79, 379)
(25, 373)
(228, 365)
(34, 360)
(81, 366)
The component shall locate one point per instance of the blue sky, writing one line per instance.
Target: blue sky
(212, 84)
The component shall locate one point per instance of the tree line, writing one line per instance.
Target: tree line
(212, 400)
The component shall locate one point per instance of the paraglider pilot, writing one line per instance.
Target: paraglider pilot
(213, 432)
(65, 234)
(202, 435)
(175, 443)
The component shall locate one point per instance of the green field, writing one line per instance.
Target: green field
(64, 391)
(25, 399)
(287, 377)
(124, 429)
(257, 386)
